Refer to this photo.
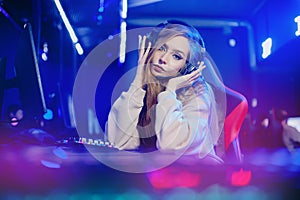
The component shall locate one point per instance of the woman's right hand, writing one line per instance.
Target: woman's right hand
(143, 54)
(185, 80)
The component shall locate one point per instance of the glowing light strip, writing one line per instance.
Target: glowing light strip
(79, 48)
(66, 21)
(136, 3)
(69, 27)
(36, 67)
(123, 15)
(123, 42)
(3, 11)
(297, 20)
(124, 9)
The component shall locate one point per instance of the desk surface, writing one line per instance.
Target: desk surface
(69, 169)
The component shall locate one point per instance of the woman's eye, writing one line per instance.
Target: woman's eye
(177, 57)
(162, 48)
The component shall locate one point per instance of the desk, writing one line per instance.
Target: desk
(71, 170)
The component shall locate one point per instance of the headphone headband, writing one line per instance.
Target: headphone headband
(172, 21)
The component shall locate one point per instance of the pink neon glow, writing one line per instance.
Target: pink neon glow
(14, 121)
(241, 177)
(171, 178)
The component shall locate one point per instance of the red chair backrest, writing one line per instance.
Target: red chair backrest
(235, 118)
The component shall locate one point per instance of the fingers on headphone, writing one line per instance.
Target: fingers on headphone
(194, 74)
(201, 65)
(148, 48)
(142, 42)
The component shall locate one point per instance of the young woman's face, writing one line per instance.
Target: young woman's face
(170, 57)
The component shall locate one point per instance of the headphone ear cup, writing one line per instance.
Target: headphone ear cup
(189, 68)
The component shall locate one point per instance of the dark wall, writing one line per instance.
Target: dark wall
(276, 78)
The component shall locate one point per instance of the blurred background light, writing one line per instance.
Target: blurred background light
(101, 6)
(297, 20)
(48, 115)
(254, 102)
(232, 42)
(44, 56)
(266, 45)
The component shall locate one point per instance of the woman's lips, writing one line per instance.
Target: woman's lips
(158, 68)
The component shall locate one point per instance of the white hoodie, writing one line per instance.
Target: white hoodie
(179, 126)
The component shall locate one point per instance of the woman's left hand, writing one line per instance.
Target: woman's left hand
(186, 80)
(143, 54)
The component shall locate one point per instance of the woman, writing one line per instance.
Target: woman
(168, 107)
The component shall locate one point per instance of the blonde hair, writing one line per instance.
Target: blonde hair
(154, 86)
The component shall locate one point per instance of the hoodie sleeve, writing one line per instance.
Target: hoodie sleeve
(121, 127)
(183, 127)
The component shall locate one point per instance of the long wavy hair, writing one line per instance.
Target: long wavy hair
(154, 86)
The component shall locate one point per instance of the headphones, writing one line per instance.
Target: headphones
(152, 36)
